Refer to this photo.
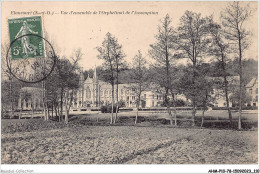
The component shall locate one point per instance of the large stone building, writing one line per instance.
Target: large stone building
(93, 92)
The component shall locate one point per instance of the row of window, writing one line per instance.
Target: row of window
(107, 93)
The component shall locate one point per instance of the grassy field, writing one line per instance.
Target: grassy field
(90, 139)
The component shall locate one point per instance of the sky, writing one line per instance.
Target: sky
(68, 30)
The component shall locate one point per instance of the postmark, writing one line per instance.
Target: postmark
(30, 57)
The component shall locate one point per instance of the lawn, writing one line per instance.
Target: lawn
(88, 140)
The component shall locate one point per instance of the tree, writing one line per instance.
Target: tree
(220, 50)
(70, 80)
(9, 95)
(163, 53)
(191, 41)
(60, 87)
(5, 73)
(233, 21)
(197, 85)
(120, 64)
(139, 77)
(89, 73)
(206, 86)
(106, 54)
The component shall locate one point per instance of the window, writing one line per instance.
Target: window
(153, 96)
(144, 96)
(36, 103)
(256, 91)
(157, 97)
(152, 103)
(26, 103)
(88, 92)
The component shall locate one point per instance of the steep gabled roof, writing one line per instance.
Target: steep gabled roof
(251, 83)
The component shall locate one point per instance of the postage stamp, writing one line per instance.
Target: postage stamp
(27, 46)
(30, 57)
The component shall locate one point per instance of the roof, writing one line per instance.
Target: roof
(252, 83)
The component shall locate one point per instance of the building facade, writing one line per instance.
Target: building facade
(93, 92)
(252, 92)
(30, 98)
(218, 93)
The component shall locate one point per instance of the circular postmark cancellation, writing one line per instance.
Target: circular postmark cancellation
(30, 58)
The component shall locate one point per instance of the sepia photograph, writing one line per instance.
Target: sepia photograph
(142, 84)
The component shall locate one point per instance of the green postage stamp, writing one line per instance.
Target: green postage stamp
(22, 33)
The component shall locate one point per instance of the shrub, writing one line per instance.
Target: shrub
(109, 109)
(224, 108)
(180, 102)
(103, 109)
(121, 104)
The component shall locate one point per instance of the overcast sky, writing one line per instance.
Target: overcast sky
(134, 31)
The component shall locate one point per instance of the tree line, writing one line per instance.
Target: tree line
(196, 38)
(211, 48)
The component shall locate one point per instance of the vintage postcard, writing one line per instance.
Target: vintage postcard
(113, 83)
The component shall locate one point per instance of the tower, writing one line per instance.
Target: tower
(81, 88)
(95, 88)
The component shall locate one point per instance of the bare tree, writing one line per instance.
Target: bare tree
(139, 76)
(60, 86)
(233, 20)
(220, 49)
(191, 41)
(163, 53)
(70, 80)
(6, 74)
(111, 53)
(120, 65)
